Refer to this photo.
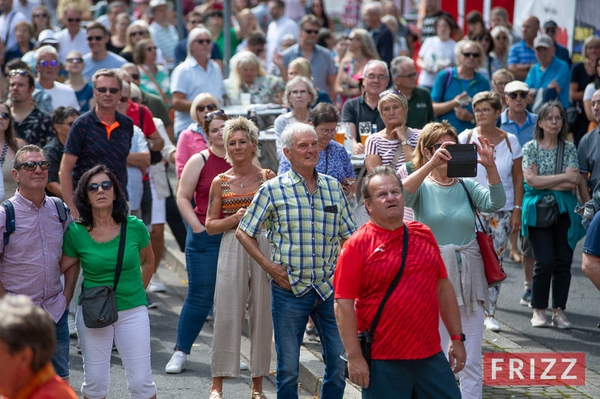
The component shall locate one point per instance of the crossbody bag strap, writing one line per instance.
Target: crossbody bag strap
(560, 152)
(149, 74)
(399, 150)
(472, 205)
(393, 284)
(120, 254)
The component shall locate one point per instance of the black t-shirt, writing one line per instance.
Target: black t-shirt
(357, 110)
(428, 28)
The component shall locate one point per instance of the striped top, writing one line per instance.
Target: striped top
(386, 149)
(232, 202)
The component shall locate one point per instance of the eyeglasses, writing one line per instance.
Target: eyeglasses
(151, 48)
(21, 72)
(40, 15)
(328, 132)
(436, 146)
(482, 111)
(209, 107)
(75, 60)
(410, 75)
(514, 95)
(376, 77)
(501, 83)
(203, 41)
(4, 115)
(138, 33)
(124, 99)
(46, 64)
(30, 166)
(556, 119)
(216, 14)
(73, 19)
(105, 185)
(311, 31)
(299, 92)
(390, 91)
(210, 116)
(96, 38)
(135, 76)
(472, 55)
(112, 90)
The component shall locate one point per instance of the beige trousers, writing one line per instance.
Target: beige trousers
(241, 281)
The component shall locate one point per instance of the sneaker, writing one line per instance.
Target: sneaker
(244, 366)
(492, 324)
(152, 305)
(526, 297)
(559, 320)
(539, 318)
(156, 286)
(175, 365)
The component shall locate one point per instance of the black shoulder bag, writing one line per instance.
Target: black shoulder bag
(547, 207)
(99, 304)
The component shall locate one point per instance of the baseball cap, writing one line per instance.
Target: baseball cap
(157, 3)
(543, 41)
(516, 85)
(47, 37)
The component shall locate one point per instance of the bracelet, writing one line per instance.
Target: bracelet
(518, 207)
(458, 337)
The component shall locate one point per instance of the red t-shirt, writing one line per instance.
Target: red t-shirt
(137, 112)
(368, 262)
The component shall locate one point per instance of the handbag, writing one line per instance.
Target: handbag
(99, 304)
(366, 337)
(494, 273)
(547, 208)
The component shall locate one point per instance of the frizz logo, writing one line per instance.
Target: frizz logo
(534, 369)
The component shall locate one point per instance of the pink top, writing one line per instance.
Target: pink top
(30, 265)
(188, 144)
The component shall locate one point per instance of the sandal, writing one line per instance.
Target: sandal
(258, 395)
(215, 395)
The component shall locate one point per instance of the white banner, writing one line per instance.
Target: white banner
(561, 12)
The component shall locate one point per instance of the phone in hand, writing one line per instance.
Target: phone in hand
(464, 160)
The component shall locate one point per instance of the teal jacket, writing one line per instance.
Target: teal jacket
(566, 204)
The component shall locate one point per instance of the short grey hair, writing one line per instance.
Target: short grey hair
(373, 63)
(47, 49)
(287, 136)
(498, 29)
(309, 86)
(193, 35)
(458, 49)
(397, 64)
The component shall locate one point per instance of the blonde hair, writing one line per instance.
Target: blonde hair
(200, 98)
(302, 66)
(140, 23)
(367, 45)
(458, 49)
(242, 124)
(430, 135)
(392, 96)
(238, 61)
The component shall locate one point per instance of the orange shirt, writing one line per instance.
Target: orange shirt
(46, 385)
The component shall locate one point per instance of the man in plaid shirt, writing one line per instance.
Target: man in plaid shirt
(307, 219)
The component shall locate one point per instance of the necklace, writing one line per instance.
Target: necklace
(244, 182)
(439, 183)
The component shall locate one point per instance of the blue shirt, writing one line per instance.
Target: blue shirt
(440, 94)
(524, 133)
(592, 241)
(84, 96)
(559, 70)
(111, 61)
(334, 161)
(519, 53)
(321, 61)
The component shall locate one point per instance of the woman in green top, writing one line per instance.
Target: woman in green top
(441, 203)
(93, 242)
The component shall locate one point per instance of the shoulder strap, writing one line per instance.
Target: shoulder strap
(393, 284)
(120, 254)
(560, 152)
(61, 208)
(8, 25)
(473, 206)
(508, 143)
(469, 136)
(10, 223)
(409, 167)
(149, 74)
(448, 81)
(203, 157)
(141, 118)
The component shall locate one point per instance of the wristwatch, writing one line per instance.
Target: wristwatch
(405, 142)
(458, 337)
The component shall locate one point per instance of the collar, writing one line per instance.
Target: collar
(297, 178)
(505, 119)
(40, 378)
(18, 198)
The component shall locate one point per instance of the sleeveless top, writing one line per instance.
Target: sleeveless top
(213, 166)
(232, 202)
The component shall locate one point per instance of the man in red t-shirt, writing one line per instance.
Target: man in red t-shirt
(406, 342)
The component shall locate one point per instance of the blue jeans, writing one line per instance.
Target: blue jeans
(290, 315)
(60, 359)
(201, 256)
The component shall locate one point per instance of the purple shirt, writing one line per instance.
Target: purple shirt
(30, 265)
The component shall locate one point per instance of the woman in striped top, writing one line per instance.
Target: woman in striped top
(240, 280)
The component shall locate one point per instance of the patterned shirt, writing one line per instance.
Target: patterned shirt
(334, 161)
(264, 90)
(304, 228)
(36, 128)
(519, 53)
(166, 38)
(386, 149)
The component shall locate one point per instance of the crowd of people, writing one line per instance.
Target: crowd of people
(98, 101)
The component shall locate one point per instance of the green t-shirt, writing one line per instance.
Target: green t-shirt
(220, 42)
(420, 109)
(99, 260)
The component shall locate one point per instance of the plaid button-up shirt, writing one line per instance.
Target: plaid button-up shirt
(305, 228)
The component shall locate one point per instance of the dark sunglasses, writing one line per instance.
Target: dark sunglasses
(473, 55)
(73, 19)
(210, 107)
(203, 41)
(436, 146)
(40, 15)
(75, 60)
(210, 116)
(521, 94)
(390, 91)
(124, 99)
(21, 72)
(151, 48)
(216, 14)
(4, 115)
(112, 90)
(311, 31)
(46, 64)
(135, 76)
(96, 38)
(30, 166)
(106, 185)
(139, 33)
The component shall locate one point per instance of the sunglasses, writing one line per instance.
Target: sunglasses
(124, 99)
(94, 187)
(436, 146)
(73, 19)
(210, 107)
(521, 94)
(4, 115)
(74, 60)
(203, 41)
(46, 64)
(112, 90)
(21, 72)
(139, 33)
(311, 31)
(31, 166)
(40, 15)
(151, 48)
(135, 76)
(210, 116)
(390, 91)
(96, 38)
(473, 55)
